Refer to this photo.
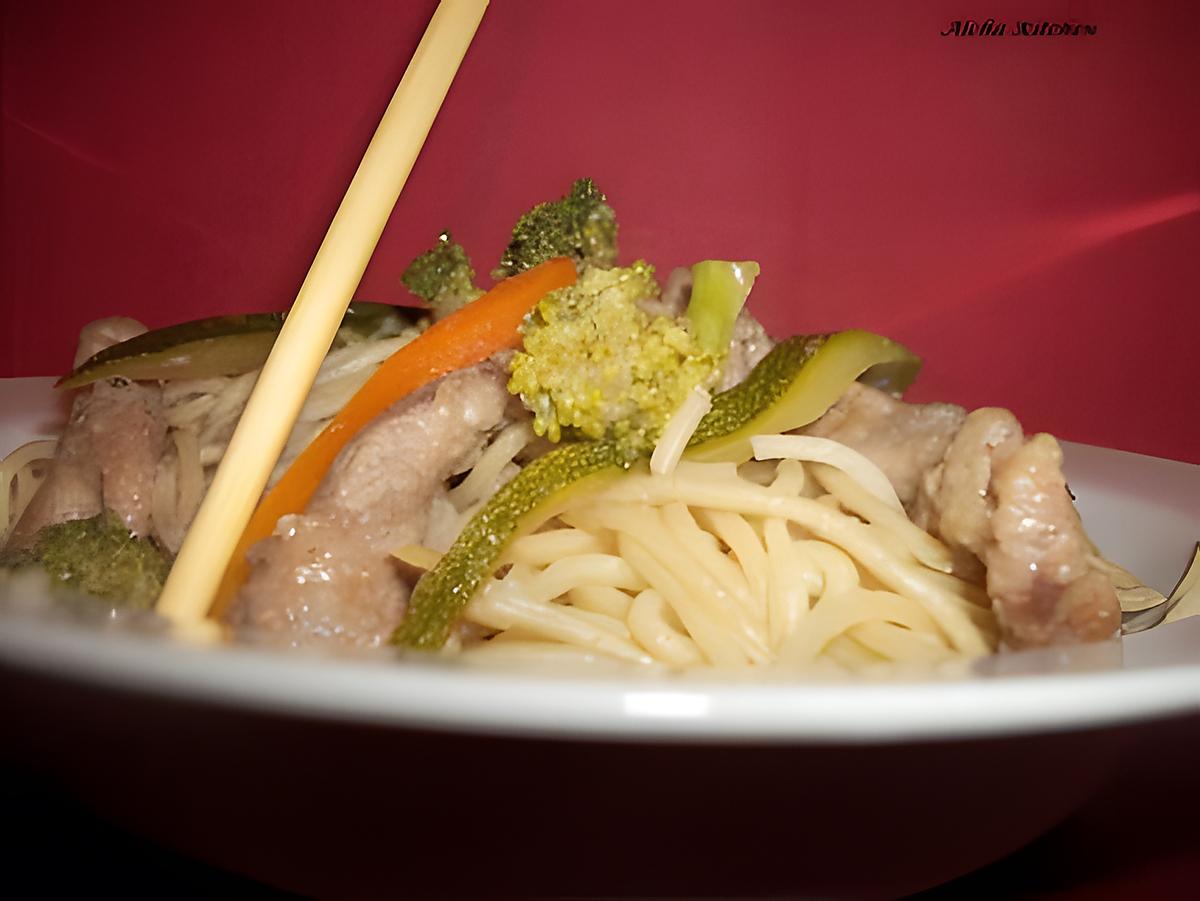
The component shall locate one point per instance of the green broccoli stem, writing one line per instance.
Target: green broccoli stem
(719, 291)
(581, 226)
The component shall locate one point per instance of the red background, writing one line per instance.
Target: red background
(1021, 211)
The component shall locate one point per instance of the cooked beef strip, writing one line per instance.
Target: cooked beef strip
(904, 440)
(108, 453)
(328, 574)
(1038, 570)
(101, 334)
(128, 435)
(999, 502)
(953, 500)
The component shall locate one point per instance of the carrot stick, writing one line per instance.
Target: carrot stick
(464, 338)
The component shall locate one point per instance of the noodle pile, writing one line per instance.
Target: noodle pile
(713, 564)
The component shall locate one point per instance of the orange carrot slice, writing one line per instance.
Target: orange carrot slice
(464, 338)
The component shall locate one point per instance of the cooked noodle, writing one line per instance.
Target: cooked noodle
(178, 488)
(679, 431)
(487, 475)
(705, 567)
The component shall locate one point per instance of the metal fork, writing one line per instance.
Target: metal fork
(1133, 621)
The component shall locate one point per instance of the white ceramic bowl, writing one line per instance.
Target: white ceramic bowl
(337, 776)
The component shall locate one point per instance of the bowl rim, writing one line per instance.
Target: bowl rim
(1143, 678)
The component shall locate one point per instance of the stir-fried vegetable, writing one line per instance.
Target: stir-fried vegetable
(581, 226)
(790, 387)
(100, 557)
(443, 277)
(462, 339)
(594, 362)
(793, 385)
(221, 345)
(596, 365)
(205, 348)
(719, 291)
(520, 506)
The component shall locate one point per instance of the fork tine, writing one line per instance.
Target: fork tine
(1135, 621)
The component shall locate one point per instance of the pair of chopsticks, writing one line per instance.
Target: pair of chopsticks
(310, 327)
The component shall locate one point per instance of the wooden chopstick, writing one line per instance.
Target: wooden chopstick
(309, 330)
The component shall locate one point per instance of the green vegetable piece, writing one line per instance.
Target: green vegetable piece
(793, 385)
(719, 291)
(442, 277)
(218, 346)
(100, 557)
(581, 226)
(593, 363)
(534, 495)
(222, 345)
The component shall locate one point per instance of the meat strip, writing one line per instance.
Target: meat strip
(999, 502)
(108, 453)
(328, 574)
(953, 498)
(101, 334)
(128, 431)
(1039, 574)
(904, 440)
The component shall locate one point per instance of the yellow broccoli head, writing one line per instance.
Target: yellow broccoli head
(595, 363)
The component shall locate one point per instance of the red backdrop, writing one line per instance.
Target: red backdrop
(1020, 210)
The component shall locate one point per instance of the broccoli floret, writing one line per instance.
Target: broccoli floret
(581, 226)
(100, 557)
(594, 362)
(442, 276)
